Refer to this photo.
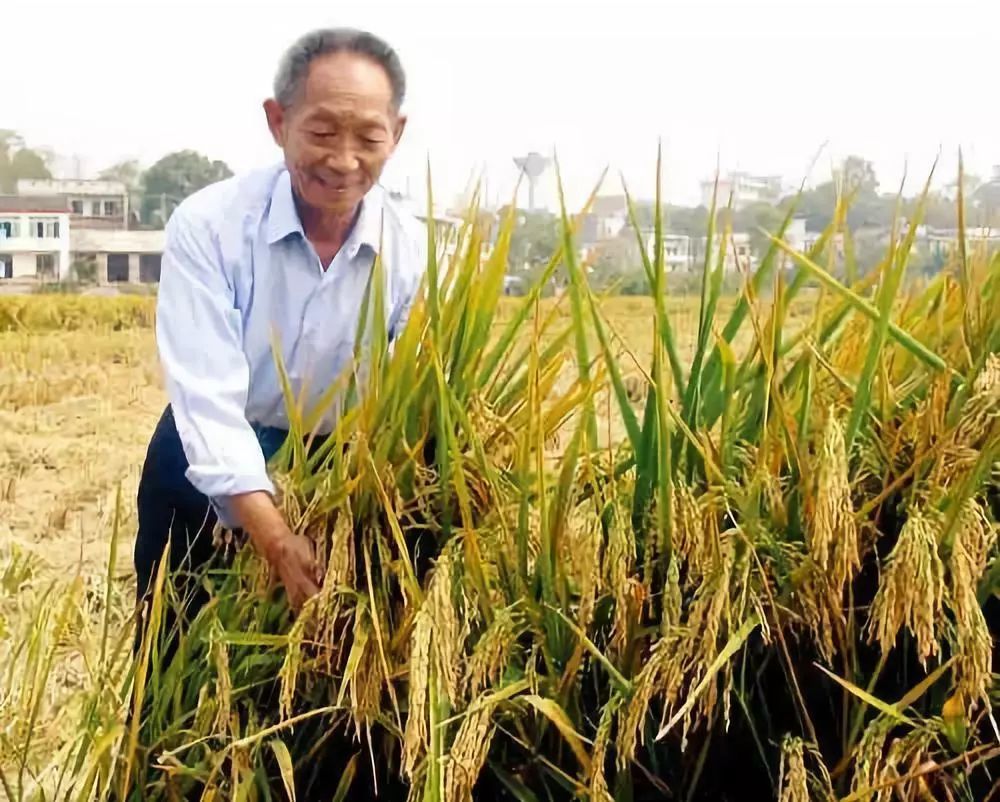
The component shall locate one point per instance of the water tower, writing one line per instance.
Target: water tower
(532, 165)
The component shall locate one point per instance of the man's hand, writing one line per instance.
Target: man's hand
(297, 569)
(290, 555)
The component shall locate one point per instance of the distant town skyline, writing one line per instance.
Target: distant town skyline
(755, 87)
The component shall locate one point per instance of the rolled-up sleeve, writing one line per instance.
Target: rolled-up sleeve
(199, 335)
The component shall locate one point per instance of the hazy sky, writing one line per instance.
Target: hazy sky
(762, 83)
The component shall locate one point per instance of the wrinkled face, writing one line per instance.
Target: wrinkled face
(339, 132)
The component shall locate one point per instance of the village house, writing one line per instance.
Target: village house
(65, 230)
(114, 256)
(34, 238)
(92, 204)
(744, 189)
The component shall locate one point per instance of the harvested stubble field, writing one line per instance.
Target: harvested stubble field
(600, 549)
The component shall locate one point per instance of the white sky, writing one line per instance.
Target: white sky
(762, 83)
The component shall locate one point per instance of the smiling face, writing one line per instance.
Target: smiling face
(339, 132)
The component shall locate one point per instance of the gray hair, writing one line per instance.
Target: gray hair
(295, 63)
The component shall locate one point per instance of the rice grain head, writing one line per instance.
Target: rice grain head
(448, 638)
(416, 739)
(794, 777)
(662, 674)
(673, 600)
(490, 655)
(911, 590)
(340, 567)
(869, 763)
(366, 687)
(710, 620)
(903, 757)
(619, 563)
(468, 751)
(690, 537)
(973, 643)
(223, 681)
(833, 530)
(588, 542)
(323, 615)
(978, 413)
(822, 609)
(290, 666)
(602, 740)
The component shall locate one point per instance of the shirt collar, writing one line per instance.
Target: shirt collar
(283, 218)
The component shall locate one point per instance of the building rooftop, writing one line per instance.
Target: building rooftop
(69, 186)
(19, 204)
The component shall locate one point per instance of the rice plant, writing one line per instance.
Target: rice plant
(780, 582)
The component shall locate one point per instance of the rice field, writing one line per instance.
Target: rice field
(576, 548)
(77, 408)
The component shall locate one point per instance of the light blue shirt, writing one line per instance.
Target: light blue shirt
(237, 263)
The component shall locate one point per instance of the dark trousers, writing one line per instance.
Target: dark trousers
(170, 507)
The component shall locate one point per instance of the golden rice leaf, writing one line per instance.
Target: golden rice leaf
(554, 713)
(883, 707)
(285, 765)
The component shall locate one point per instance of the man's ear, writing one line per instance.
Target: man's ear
(275, 120)
(397, 129)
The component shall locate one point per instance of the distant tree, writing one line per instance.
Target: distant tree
(970, 183)
(173, 178)
(26, 163)
(941, 212)
(18, 161)
(987, 197)
(857, 180)
(127, 172)
(690, 220)
(754, 217)
(858, 174)
(617, 262)
(9, 142)
(535, 238)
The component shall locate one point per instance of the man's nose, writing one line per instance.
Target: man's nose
(342, 157)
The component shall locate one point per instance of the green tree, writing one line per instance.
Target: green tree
(534, 239)
(127, 172)
(18, 161)
(857, 178)
(26, 163)
(941, 212)
(173, 178)
(754, 217)
(987, 197)
(859, 174)
(618, 263)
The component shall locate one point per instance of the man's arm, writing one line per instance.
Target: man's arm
(199, 334)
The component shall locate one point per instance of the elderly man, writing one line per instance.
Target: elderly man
(287, 249)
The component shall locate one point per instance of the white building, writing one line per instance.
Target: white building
(119, 256)
(677, 253)
(34, 237)
(744, 189)
(796, 234)
(943, 242)
(92, 204)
